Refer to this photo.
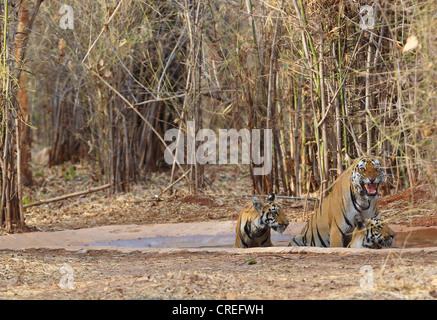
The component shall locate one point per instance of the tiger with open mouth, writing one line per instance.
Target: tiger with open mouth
(354, 193)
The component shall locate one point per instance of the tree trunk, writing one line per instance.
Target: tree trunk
(20, 43)
(15, 106)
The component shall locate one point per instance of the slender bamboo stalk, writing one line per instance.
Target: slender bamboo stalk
(296, 143)
(19, 175)
(324, 161)
(368, 94)
(4, 218)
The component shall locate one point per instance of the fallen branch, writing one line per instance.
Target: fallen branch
(281, 197)
(66, 196)
(174, 182)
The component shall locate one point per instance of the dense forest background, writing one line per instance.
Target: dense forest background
(102, 81)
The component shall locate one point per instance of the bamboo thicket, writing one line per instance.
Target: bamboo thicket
(328, 77)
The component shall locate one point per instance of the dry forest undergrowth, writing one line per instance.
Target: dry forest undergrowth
(110, 274)
(222, 200)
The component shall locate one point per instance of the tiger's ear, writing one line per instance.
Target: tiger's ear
(271, 197)
(380, 155)
(359, 222)
(349, 158)
(257, 204)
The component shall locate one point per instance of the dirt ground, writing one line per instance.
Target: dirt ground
(59, 274)
(113, 274)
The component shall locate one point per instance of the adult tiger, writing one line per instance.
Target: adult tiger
(255, 221)
(354, 192)
(371, 233)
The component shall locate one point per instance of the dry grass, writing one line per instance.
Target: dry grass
(115, 275)
(221, 201)
(305, 68)
(405, 279)
(231, 65)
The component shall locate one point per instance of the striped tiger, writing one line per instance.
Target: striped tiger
(255, 221)
(355, 192)
(371, 233)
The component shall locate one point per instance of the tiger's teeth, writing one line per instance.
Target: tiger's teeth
(371, 188)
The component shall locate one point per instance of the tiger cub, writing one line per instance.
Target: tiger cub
(371, 233)
(255, 221)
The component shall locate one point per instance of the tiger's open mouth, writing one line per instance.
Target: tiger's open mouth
(371, 188)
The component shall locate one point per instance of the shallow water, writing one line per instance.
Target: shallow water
(415, 239)
(193, 241)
